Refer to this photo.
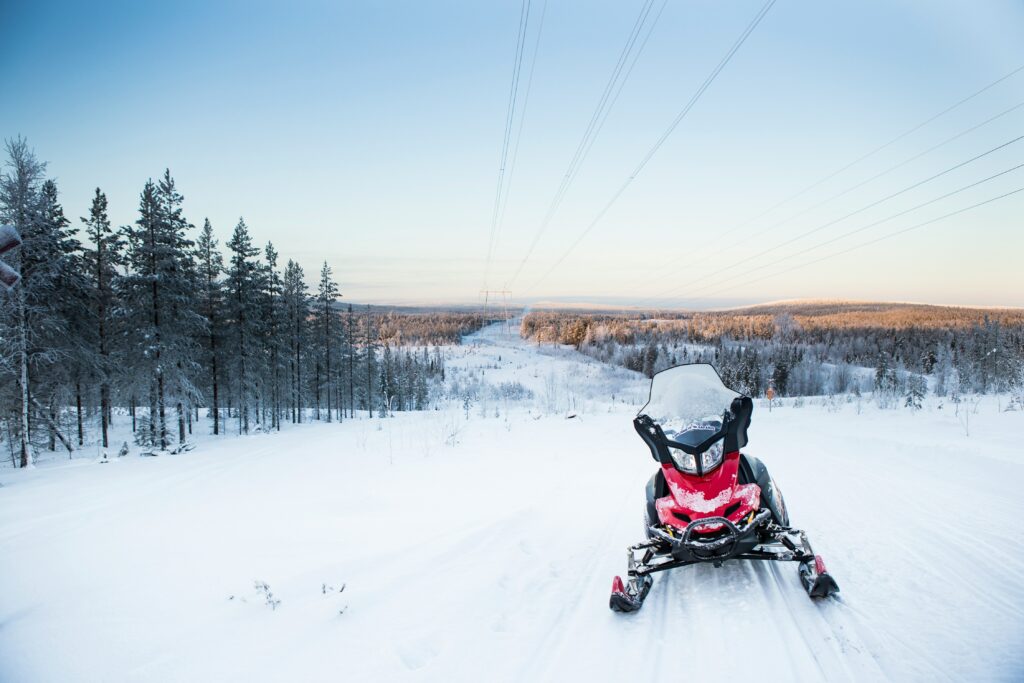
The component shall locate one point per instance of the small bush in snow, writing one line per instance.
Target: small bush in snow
(328, 590)
(263, 590)
(916, 388)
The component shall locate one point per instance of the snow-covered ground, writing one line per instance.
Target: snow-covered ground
(482, 549)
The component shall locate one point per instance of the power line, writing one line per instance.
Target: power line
(876, 150)
(871, 225)
(522, 119)
(870, 205)
(872, 241)
(661, 140)
(615, 84)
(524, 18)
(622, 84)
(653, 273)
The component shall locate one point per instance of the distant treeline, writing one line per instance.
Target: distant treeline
(810, 349)
(433, 328)
(157, 320)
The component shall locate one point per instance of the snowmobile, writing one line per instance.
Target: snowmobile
(708, 502)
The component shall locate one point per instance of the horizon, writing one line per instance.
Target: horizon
(372, 137)
(598, 306)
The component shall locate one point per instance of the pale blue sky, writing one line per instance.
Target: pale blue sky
(369, 135)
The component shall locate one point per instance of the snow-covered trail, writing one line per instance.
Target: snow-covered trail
(492, 559)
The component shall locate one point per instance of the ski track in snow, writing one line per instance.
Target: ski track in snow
(492, 559)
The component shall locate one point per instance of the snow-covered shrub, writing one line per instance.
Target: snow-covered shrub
(263, 590)
(916, 388)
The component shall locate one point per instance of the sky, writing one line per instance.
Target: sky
(370, 135)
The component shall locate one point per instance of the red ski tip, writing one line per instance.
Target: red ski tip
(819, 565)
(617, 585)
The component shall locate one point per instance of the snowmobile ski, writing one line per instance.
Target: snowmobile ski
(708, 502)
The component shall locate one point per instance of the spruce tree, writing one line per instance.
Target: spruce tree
(370, 360)
(243, 302)
(66, 354)
(326, 296)
(276, 325)
(101, 263)
(350, 351)
(296, 300)
(160, 311)
(211, 267)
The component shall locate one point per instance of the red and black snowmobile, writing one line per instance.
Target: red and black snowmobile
(709, 502)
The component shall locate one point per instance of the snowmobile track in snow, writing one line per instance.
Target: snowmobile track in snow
(491, 559)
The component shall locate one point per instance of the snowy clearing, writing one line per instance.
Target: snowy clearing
(483, 549)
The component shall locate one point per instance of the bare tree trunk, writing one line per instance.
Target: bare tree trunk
(298, 372)
(327, 354)
(78, 409)
(10, 442)
(317, 385)
(104, 411)
(161, 409)
(181, 423)
(152, 414)
(369, 365)
(216, 396)
(351, 369)
(104, 386)
(26, 447)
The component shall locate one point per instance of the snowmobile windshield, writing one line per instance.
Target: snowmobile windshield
(688, 402)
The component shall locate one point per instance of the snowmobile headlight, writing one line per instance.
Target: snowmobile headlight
(684, 461)
(709, 459)
(712, 457)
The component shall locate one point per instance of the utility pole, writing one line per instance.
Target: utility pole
(504, 294)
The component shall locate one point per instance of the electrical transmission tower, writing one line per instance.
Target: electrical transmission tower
(504, 294)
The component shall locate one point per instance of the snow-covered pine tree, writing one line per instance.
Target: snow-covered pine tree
(189, 326)
(370, 361)
(388, 385)
(243, 303)
(350, 351)
(296, 301)
(916, 389)
(66, 355)
(101, 263)
(260, 370)
(210, 264)
(20, 200)
(780, 376)
(160, 313)
(275, 319)
(325, 323)
(36, 317)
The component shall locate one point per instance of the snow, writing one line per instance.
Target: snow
(491, 559)
(696, 501)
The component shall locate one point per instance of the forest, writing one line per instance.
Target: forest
(805, 349)
(159, 324)
(153, 321)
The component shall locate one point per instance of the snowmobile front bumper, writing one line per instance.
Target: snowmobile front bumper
(755, 539)
(727, 541)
